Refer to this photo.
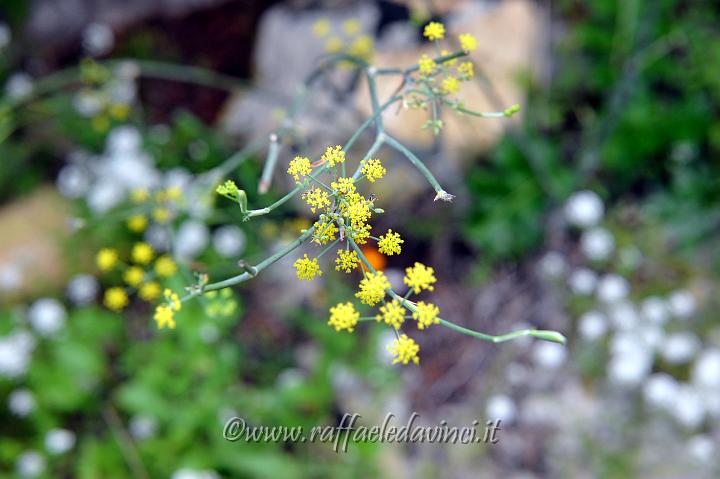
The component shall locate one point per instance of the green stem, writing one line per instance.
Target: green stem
(441, 193)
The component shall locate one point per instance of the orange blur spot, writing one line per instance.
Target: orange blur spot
(376, 259)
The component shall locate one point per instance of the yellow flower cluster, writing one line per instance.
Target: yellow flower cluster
(467, 42)
(317, 199)
(434, 31)
(426, 314)
(325, 230)
(426, 65)
(404, 349)
(299, 166)
(392, 313)
(372, 288)
(351, 41)
(373, 170)
(115, 298)
(220, 303)
(346, 260)
(419, 277)
(142, 253)
(165, 313)
(333, 155)
(307, 268)
(106, 259)
(389, 243)
(343, 316)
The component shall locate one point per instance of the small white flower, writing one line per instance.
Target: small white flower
(706, 370)
(229, 241)
(59, 441)
(655, 310)
(584, 209)
(629, 368)
(552, 265)
(702, 449)
(158, 237)
(192, 238)
(88, 103)
(660, 391)
(682, 304)
(680, 347)
(582, 281)
(19, 85)
(30, 464)
(592, 325)
(82, 289)
(123, 139)
(21, 402)
(97, 39)
(104, 195)
(142, 427)
(73, 181)
(623, 315)
(501, 406)
(15, 354)
(597, 244)
(688, 407)
(47, 316)
(612, 288)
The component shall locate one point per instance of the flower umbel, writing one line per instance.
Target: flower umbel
(426, 65)
(346, 260)
(392, 313)
(333, 155)
(426, 314)
(115, 298)
(343, 316)
(307, 268)
(404, 349)
(373, 170)
(299, 166)
(164, 316)
(467, 42)
(142, 253)
(106, 259)
(419, 277)
(372, 288)
(434, 31)
(389, 243)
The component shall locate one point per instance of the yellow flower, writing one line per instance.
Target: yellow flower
(466, 71)
(467, 42)
(317, 199)
(344, 186)
(173, 193)
(165, 266)
(450, 85)
(115, 299)
(389, 243)
(228, 189)
(325, 230)
(307, 268)
(142, 253)
(333, 45)
(161, 215)
(419, 277)
(299, 166)
(172, 299)
(164, 316)
(346, 260)
(333, 155)
(106, 259)
(393, 313)
(351, 26)
(149, 291)
(372, 288)
(426, 314)
(426, 65)
(434, 31)
(405, 350)
(321, 27)
(134, 275)
(137, 223)
(373, 170)
(362, 47)
(139, 195)
(343, 316)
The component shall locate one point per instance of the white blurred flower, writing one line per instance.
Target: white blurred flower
(97, 39)
(597, 244)
(592, 325)
(191, 239)
(142, 427)
(47, 316)
(630, 257)
(11, 277)
(395, 277)
(290, 378)
(5, 35)
(682, 304)
(73, 181)
(623, 315)
(30, 464)
(549, 355)
(552, 265)
(706, 370)
(59, 441)
(104, 195)
(186, 473)
(660, 390)
(630, 367)
(88, 103)
(229, 241)
(655, 310)
(612, 288)
(584, 209)
(582, 281)
(209, 333)
(158, 236)
(688, 407)
(15, 352)
(702, 449)
(680, 347)
(516, 373)
(123, 91)
(18, 86)
(177, 178)
(21, 402)
(652, 335)
(501, 407)
(123, 139)
(82, 289)
(385, 339)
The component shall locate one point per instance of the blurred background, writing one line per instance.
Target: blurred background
(594, 212)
